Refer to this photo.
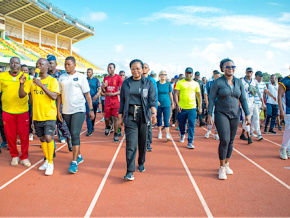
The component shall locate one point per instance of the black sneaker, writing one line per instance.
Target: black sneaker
(272, 131)
(149, 148)
(202, 124)
(265, 130)
(108, 130)
(129, 176)
(280, 128)
(69, 144)
(120, 134)
(250, 141)
(116, 138)
(243, 137)
(89, 133)
(141, 168)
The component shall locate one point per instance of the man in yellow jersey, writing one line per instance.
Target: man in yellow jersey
(15, 112)
(44, 91)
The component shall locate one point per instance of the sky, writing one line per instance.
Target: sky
(174, 34)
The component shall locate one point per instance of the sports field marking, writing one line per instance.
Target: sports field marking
(198, 192)
(97, 141)
(30, 168)
(97, 195)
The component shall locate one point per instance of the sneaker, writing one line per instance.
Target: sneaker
(250, 141)
(202, 124)
(49, 169)
(228, 169)
(141, 168)
(62, 141)
(216, 136)
(120, 134)
(80, 159)
(272, 131)
(243, 137)
(283, 154)
(30, 136)
(280, 128)
(190, 146)
(207, 134)
(159, 135)
(89, 133)
(73, 168)
(102, 120)
(260, 138)
(173, 125)
(222, 173)
(25, 162)
(182, 137)
(265, 130)
(129, 176)
(3, 144)
(116, 138)
(14, 161)
(108, 130)
(43, 166)
(69, 144)
(149, 148)
(288, 154)
(253, 135)
(168, 137)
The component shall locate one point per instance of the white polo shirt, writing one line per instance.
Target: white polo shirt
(72, 89)
(273, 89)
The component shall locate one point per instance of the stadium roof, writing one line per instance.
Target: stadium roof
(44, 15)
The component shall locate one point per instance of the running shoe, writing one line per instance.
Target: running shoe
(102, 120)
(173, 125)
(89, 133)
(182, 137)
(3, 144)
(283, 154)
(260, 138)
(159, 135)
(43, 166)
(250, 141)
(228, 169)
(272, 131)
(207, 134)
(108, 130)
(216, 136)
(69, 144)
(168, 137)
(129, 176)
(116, 138)
(149, 148)
(25, 162)
(14, 161)
(62, 141)
(253, 135)
(30, 136)
(73, 168)
(120, 132)
(49, 169)
(141, 168)
(280, 128)
(190, 146)
(80, 159)
(243, 137)
(222, 173)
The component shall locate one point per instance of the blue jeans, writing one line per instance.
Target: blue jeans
(190, 115)
(91, 123)
(272, 112)
(166, 113)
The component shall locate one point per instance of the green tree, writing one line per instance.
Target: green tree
(278, 75)
(266, 77)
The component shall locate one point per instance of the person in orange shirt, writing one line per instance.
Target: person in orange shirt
(15, 112)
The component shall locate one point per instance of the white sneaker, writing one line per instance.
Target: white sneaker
(159, 135)
(62, 141)
(207, 134)
(25, 162)
(253, 135)
(222, 173)
(260, 138)
(190, 146)
(14, 161)
(168, 137)
(182, 137)
(283, 154)
(30, 136)
(216, 137)
(49, 170)
(228, 169)
(173, 125)
(43, 166)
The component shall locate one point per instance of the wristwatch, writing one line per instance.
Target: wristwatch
(92, 109)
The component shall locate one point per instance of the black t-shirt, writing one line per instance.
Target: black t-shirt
(135, 92)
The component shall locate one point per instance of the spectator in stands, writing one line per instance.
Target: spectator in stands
(24, 68)
(31, 72)
(4, 142)
(227, 90)
(201, 85)
(165, 103)
(186, 92)
(271, 104)
(146, 70)
(73, 87)
(111, 88)
(95, 90)
(62, 128)
(44, 92)
(122, 74)
(15, 112)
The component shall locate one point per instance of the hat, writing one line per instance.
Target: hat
(259, 73)
(189, 70)
(176, 77)
(216, 72)
(153, 73)
(51, 58)
(197, 73)
(249, 69)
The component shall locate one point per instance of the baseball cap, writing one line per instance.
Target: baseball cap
(197, 73)
(216, 72)
(258, 73)
(189, 70)
(249, 69)
(176, 77)
(153, 73)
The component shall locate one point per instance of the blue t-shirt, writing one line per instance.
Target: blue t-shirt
(285, 82)
(155, 86)
(94, 84)
(163, 94)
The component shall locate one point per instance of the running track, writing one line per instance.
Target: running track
(178, 182)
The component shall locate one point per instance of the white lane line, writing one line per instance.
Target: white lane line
(198, 192)
(97, 141)
(97, 195)
(261, 168)
(30, 168)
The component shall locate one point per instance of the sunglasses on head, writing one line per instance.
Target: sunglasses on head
(229, 67)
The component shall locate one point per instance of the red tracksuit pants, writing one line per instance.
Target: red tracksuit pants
(17, 124)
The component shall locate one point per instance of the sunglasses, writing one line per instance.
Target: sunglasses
(162, 74)
(229, 67)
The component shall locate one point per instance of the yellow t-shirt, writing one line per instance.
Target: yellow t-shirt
(187, 92)
(44, 108)
(9, 87)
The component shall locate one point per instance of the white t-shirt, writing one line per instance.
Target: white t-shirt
(72, 89)
(249, 96)
(262, 86)
(273, 89)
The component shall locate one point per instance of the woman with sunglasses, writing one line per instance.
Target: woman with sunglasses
(165, 102)
(225, 95)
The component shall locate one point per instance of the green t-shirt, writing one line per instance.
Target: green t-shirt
(187, 92)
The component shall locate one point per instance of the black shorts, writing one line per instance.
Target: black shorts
(43, 128)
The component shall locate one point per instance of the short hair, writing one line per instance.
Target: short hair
(223, 61)
(24, 65)
(162, 71)
(13, 58)
(90, 69)
(122, 71)
(112, 64)
(71, 58)
(135, 61)
(146, 64)
(273, 75)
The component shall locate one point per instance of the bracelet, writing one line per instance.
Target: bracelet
(92, 109)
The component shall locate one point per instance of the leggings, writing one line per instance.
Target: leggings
(74, 124)
(227, 129)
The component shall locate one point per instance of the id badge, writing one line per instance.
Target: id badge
(145, 93)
